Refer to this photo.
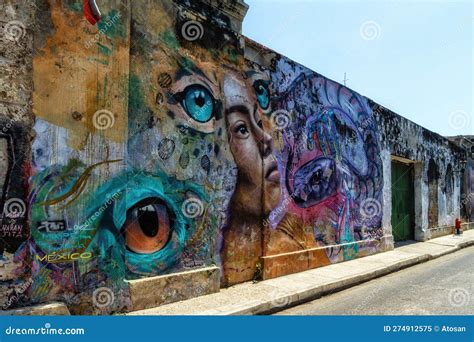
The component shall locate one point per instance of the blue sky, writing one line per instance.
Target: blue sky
(413, 57)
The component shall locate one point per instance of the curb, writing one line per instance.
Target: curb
(466, 244)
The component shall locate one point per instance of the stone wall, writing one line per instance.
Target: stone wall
(467, 177)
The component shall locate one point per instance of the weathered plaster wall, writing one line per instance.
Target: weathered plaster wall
(467, 175)
(421, 203)
(164, 144)
(387, 193)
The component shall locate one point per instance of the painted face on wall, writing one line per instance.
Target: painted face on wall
(247, 101)
(257, 188)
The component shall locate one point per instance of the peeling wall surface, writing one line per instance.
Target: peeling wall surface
(160, 141)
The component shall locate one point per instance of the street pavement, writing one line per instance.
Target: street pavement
(442, 286)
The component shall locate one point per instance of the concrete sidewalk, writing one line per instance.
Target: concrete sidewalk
(280, 293)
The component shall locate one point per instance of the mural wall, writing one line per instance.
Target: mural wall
(308, 149)
(159, 148)
(329, 156)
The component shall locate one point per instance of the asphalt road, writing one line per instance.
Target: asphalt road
(443, 286)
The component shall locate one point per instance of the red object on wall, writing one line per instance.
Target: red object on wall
(91, 11)
(457, 224)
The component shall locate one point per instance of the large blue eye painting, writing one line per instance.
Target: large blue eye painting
(263, 93)
(198, 103)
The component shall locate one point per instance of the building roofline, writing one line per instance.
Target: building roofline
(261, 47)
